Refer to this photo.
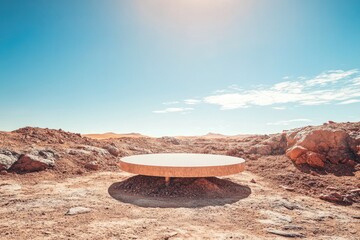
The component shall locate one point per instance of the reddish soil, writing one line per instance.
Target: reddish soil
(272, 193)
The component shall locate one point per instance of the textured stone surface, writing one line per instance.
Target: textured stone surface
(318, 145)
(92, 166)
(112, 150)
(32, 163)
(77, 210)
(7, 159)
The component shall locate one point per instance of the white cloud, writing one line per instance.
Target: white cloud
(330, 77)
(171, 103)
(221, 91)
(288, 122)
(279, 108)
(350, 101)
(192, 101)
(291, 87)
(356, 81)
(174, 110)
(345, 86)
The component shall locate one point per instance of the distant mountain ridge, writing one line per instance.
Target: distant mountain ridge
(108, 135)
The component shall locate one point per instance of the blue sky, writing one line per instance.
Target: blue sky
(186, 67)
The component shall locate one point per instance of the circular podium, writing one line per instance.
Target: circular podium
(182, 165)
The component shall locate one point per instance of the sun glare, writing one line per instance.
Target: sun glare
(195, 18)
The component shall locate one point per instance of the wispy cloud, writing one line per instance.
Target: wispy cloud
(330, 77)
(192, 101)
(279, 108)
(174, 110)
(350, 101)
(171, 103)
(328, 87)
(288, 122)
(356, 81)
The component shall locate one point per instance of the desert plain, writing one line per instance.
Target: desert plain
(301, 184)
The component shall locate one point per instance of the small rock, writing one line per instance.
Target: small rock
(92, 166)
(336, 198)
(112, 150)
(286, 204)
(353, 231)
(285, 233)
(277, 217)
(77, 210)
(314, 173)
(356, 191)
(332, 197)
(287, 188)
(252, 181)
(350, 163)
(292, 227)
(3, 172)
(78, 152)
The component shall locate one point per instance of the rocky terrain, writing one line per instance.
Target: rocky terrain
(301, 183)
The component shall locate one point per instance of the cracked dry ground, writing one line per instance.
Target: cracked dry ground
(34, 208)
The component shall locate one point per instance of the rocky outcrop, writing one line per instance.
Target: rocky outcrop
(317, 145)
(30, 161)
(49, 136)
(170, 140)
(35, 160)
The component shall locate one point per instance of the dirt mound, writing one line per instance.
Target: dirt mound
(52, 136)
(181, 192)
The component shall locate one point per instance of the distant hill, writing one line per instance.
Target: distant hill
(113, 135)
(214, 135)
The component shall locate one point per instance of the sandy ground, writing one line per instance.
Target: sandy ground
(35, 209)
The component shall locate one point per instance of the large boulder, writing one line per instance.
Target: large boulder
(295, 152)
(313, 159)
(32, 163)
(7, 159)
(316, 145)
